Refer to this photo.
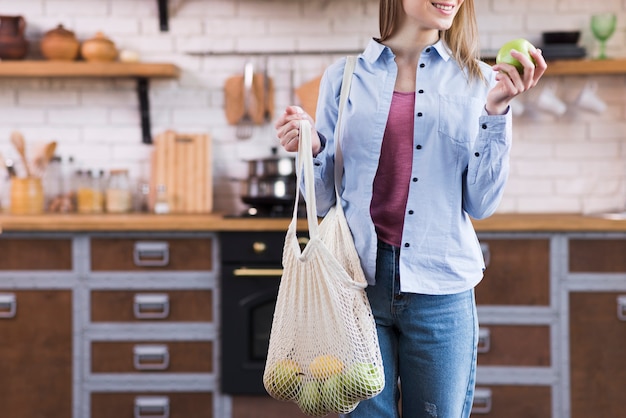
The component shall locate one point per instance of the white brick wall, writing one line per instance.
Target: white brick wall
(576, 163)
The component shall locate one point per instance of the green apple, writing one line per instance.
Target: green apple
(335, 396)
(521, 45)
(310, 399)
(363, 381)
(284, 380)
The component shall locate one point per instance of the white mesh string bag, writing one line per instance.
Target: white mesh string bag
(323, 350)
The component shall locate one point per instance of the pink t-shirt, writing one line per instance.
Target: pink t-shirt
(391, 184)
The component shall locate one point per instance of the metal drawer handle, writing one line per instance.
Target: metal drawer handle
(151, 306)
(482, 401)
(484, 340)
(8, 305)
(246, 272)
(621, 307)
(151, 254)
(152, 407)
(484, 247)
(151, 357)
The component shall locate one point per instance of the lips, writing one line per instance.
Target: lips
(446, 7)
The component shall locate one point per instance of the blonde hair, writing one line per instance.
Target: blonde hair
(462, 37)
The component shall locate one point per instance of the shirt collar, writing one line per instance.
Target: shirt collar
(375, 50)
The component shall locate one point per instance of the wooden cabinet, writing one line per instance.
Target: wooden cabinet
(512, 401)
(36, 353)
(518, 273)
(514, 304)
(35, 328)
(151, 404)
(151, 326)
(597, 360)
(102, 325)
(597, 325)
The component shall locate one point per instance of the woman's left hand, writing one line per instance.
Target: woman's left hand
(510, 83)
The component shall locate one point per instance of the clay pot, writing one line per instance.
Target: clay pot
(13, 45)
(99, 48)
(60, 44)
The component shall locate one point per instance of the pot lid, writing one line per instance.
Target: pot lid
(60, 31)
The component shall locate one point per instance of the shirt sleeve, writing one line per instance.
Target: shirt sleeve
(489, 166)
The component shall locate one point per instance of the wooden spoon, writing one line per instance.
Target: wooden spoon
(20, 145)
(48, 153)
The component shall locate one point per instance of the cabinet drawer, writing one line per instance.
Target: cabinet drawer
(512, 401)
(518, 273)
(514, 345)
(152, 356)
(153, 254)
(155, 305)
(35, 254)
(597, 255)
(151, 404)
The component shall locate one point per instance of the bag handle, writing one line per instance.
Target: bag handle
(305, 157)
(343, 100)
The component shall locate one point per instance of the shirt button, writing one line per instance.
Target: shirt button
(420, 91)
(427, 49)
(414, 179)
(406, 244)
(411, 212)
(418, 147)
(420, 114)
(477, 154)
(422, 65)
(484, 126)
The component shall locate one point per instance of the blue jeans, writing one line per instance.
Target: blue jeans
(428, 342)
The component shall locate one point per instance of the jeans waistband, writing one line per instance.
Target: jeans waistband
(385, 246)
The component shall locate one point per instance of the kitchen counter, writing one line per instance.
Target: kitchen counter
(218, 222)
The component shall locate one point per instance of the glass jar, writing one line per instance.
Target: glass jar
(118, 196)
(89, 193)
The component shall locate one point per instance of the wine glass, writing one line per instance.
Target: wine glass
(603, 27)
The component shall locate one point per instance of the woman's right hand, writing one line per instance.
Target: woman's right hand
(288, 129)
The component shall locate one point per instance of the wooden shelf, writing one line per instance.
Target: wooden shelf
(581, 66)
(86, 69)
(59, 69)
(586, 67)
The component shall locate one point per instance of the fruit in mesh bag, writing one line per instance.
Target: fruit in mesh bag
(284, 380)
(310, 399)
(335, 395)
(324, 366)
(363, 380)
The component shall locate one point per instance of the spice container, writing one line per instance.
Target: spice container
(118, 194)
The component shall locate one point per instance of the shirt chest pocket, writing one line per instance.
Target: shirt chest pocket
(458, 118)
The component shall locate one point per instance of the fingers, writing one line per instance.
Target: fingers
(288, 127)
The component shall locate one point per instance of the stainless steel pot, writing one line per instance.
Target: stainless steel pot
(280, 188)
(272, 167)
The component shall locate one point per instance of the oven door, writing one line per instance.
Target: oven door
(248, 302)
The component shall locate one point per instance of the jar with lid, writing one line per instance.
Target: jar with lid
(118, 198)
(89, 193)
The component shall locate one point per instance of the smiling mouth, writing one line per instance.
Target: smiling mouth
(444, 7)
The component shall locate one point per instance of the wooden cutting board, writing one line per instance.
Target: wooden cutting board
(307, 94)
(183, 164)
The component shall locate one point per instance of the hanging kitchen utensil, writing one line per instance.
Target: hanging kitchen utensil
(244, 126)
(17, 139)
(260, 106)
(307, 94)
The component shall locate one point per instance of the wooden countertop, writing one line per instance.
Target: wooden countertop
(218, 223)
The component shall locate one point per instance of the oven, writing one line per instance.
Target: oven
(251, 272)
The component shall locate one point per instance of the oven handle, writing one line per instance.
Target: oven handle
(247, 272)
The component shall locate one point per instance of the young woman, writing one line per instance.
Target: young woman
(426, 140)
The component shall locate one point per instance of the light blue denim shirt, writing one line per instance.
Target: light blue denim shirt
(460, 164)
